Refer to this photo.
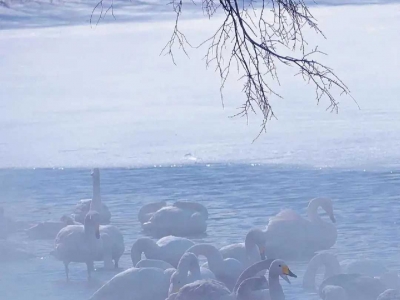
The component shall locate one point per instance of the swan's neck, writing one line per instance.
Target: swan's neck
(312, 211)
(96, 200)
(275, 288)
(189, 264)
(214, 257)
(146, 246)
(332, 267)
(252, 250)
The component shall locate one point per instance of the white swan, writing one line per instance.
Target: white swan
(188, 271)
(183, 218)
(249, 252)
(169, 249)
(332, 267)
(214, 290)
(110, 233)
(226, 270)
(80, 243)
(83, 206)
(306, 236)
(136, 284)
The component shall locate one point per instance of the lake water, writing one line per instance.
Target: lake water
(238, 197)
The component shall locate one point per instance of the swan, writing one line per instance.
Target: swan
(332, 267)
(249, 252)
(183, 218)
(214, 290)
(306, 236)
(226, 270)
(83, 207)
(77, 243)
(188, 270)
(169, 249)
(110, 233)
(136, 284)
(49, 229)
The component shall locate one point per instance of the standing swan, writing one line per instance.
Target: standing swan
(110, 233)
(83, 207)
(306, 236)
(169, 249)
(183, 218)
(249, 252)
(77, 243)
(226, 270)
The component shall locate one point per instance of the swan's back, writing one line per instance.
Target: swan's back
(135, 284)
(203, 290)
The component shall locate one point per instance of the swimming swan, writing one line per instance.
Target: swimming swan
(136, 284)
(169, 249)
(79, 243)
(226, 270)
(249, 252)
(83, 206)
(306, 236)
(188, 271)
(183, 218)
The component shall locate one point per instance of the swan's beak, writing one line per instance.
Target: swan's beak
(286, 272)
(97, 232)
(262, 252)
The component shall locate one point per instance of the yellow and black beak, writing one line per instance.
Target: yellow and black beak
(286, 271)
(262, 252)
(97, 232)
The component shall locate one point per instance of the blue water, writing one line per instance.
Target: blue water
(238, 197)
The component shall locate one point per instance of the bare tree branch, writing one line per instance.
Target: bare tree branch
(248, 40)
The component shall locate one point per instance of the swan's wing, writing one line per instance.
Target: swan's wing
(203, 290)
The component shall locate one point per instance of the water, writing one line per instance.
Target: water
(238, 197)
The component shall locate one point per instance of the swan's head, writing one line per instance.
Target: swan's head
(176, 282)
(280, 268)
(92, 223)
(256, 237)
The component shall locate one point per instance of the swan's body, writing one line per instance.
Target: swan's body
(226, 270)
(183, 218)
(306, 236)
(48, 230)
(169, 249)
(136, 284)
(203, 290)
(80, 243)
(83, 206)
(249, 252)
(188, 271)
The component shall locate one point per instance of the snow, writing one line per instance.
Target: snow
(79, 96)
